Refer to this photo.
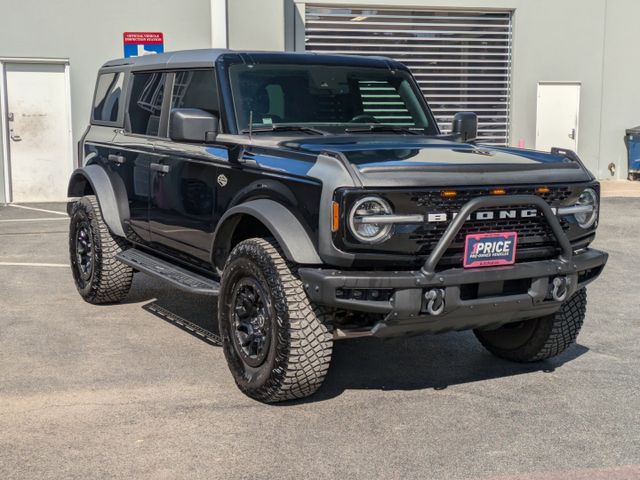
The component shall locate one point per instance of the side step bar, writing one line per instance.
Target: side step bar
(177, 276)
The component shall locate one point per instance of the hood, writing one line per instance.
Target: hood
(390, 161)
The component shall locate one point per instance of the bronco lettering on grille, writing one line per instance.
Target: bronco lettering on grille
(490, 215)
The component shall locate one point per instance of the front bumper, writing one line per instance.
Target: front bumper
(473, 298)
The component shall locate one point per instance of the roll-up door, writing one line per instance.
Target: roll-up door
(461, 59)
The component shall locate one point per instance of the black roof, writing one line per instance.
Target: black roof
(208, 57)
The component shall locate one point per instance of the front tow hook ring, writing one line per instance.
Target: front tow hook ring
(560, 289)
(435, 301)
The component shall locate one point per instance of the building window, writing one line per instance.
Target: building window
(460, 59)
(106, 105)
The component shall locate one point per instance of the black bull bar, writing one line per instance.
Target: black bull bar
(429, 267)
(427, 300)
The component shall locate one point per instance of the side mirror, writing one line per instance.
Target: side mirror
(192, 125)
(465, 126)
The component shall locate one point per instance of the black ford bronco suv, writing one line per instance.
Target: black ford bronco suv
(317, 198)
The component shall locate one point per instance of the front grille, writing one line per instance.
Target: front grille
(433, 200)
(532, 232)
(416, 242)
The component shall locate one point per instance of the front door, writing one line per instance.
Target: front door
(183, 199)
(184, 181)
(558, 116)
(39, 132)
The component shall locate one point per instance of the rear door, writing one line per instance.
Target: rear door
(183, 190)
(132, 148)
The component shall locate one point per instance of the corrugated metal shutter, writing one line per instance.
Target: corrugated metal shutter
(461, 59)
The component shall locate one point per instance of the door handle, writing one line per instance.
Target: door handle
(119, 159)
(160, 168)
(12, 134)
(572, 135)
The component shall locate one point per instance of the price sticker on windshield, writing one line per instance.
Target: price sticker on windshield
(490, 249)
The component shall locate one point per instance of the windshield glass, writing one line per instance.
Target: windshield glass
(332, 98)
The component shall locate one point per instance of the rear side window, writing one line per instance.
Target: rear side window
(145, 104)
(196, 89)
(106, 105)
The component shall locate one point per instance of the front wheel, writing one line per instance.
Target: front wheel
(540, 338)
(277, 345)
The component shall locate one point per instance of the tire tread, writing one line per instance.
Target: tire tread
(305, 338)
(552, 335)
(112, 279)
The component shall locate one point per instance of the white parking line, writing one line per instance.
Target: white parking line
(17, 264)
(33, 220)
(38, 209)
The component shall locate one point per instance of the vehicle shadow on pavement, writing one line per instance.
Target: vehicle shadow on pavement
(426, 362)
(416, 363)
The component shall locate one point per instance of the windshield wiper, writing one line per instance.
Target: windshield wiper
(382, 128)
(275, 127)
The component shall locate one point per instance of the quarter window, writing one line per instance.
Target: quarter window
(145, 105)
(106, 105)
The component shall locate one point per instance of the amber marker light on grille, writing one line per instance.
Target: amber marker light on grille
(498, 191)
(335, 217)
(542, 190)
(449, 193)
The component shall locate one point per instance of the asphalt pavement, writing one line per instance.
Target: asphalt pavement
(139, 390)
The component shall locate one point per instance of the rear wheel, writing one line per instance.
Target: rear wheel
(540, 338)
(98, 275)
(277, 345)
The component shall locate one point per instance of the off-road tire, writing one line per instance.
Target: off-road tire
(301, 342)
(540, 338)
(109, 280)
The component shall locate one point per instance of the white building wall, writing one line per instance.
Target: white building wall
(89, 32)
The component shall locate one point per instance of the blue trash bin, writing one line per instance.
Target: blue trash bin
(632, 140)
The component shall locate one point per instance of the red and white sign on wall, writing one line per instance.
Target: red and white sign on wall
(137, 44)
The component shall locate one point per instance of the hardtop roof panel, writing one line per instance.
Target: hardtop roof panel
(206, 58)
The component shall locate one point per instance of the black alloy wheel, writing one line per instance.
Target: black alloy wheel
(84, 251)
(252, 312)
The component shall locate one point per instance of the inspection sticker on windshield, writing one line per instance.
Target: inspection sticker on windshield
(490, 249)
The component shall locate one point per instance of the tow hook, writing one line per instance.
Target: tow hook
(559, 289)
(435, 301)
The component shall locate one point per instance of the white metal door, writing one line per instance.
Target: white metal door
(558, 116)
(39, 131)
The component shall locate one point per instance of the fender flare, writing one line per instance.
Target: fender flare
(283, 225)
(111, 195)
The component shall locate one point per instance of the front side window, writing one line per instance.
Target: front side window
(145, 104)
(196, 89)
(106, 104)
(334, 98)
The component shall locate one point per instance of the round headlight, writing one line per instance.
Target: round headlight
(363, 227)
(587, 198)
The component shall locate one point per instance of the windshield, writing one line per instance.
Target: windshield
(334, 99)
